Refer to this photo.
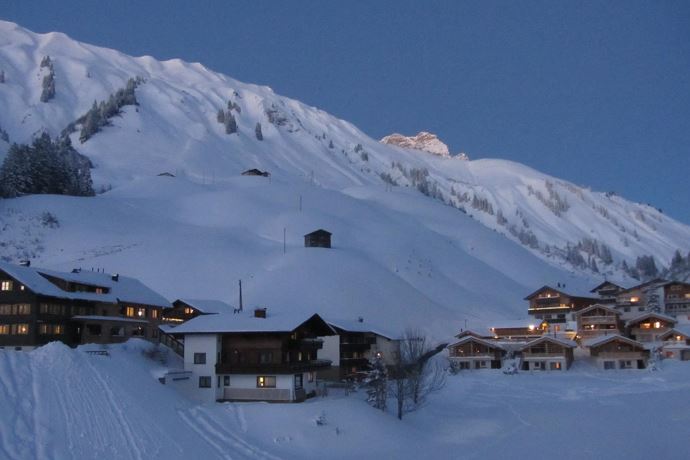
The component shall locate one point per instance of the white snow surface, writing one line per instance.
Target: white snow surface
(174, 129)
(60, 403)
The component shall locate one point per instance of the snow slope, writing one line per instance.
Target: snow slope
(60, 403)
(174, 129)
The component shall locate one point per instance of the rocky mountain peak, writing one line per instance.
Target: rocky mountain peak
(424, 141)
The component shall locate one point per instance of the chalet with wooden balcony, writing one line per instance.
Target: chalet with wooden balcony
(255, 356)
(649, 327)
(521, 329)
(638, 299)
(676, 343)
(547, 354)
(318, 239)
(607, 292)
(597, 320)
(677, 299)
(356, 343)
(185, 309)
(472, 352)
(613, 352)
(555, 305)
(38, 306)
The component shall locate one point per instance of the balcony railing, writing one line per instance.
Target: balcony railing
(272, 368)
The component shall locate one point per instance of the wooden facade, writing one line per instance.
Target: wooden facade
(598, 320)
(607, 292)
(29, 319)
(554, 305)
(649, 327)
(318, 239)
(677, 299)
(547, 354)
(618, 352)
(472, 352)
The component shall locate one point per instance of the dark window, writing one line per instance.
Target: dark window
(265, 357)
(138, 331)
(226, 380)
(93, 329)
(199, 358)
(117, 331)
(205, 382)
(298, 381)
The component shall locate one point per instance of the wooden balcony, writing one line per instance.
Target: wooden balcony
(273, 368)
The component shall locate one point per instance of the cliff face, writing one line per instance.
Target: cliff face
(424, 141)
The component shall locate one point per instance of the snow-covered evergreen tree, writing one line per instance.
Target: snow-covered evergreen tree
(376, 383)
(257, 131)
(230, 123)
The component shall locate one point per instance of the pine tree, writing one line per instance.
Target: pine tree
(230, 123)
(376, 382)
(220, 116)
(257, 131)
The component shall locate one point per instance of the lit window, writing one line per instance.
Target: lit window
(129, 311)
(22, 287)
(657, 325)
(634, 299)
(154, 314)
(188, 310)
(6, 286)
(4, 329)
(264, 381)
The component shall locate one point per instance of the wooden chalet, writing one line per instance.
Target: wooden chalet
(256, 172)
(677, 299)
(649, 327)
(676, 343)
(254, 356)
(38, 306)
(617, 352)
(185, 309)
(354, 345)
(607, 292)
(472, 352)
(547, 354)
(597, 320)
(318, 239)
(554, 305)
(638, 299)
(518, 329)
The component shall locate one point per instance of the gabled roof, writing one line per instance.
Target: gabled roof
(319, 232)
(246, 322)
(603, 339)
(124, 289)
(471, 338)
(471, 333)
(650, 314)
(361, 326)
(547, 338)
(681, 329)
(207, 306)
(659, 281)
(606, 283)
(551, 288)
(595, 306)
(516, 324)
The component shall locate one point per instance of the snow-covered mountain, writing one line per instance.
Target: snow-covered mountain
(424, 141)
(396, 249)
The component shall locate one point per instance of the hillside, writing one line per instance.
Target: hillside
(479, 236)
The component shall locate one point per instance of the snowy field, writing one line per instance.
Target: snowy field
(59, 403)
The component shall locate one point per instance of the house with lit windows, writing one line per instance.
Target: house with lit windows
(547, 353)
(38, 306)
(649, 327)
(612, 352)
(597, 320)
(676, 343)
(250, 356)
(185, 309)
(474, 352)
(555, 305)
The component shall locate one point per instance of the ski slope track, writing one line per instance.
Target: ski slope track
(416, 235)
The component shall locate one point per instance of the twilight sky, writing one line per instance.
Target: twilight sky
(594, 92)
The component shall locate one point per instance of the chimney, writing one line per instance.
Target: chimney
(115, 277)
(25, 263)
(259, 312)
(360, 319)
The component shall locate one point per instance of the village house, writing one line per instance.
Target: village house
(638, 299)
(597, 320)
(473, 352)
(250, 356)
(547, 353)
(676, 343)
(355, 344)
(677, 299)
(607, 292)
(617, 352)
(517, 329)
(555, 305)
(38, 306)
(648, 327)
(318, 239)
(185, 309)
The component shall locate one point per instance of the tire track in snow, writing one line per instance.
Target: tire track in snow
(222, 439)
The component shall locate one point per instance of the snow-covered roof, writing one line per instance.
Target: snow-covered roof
(515, 324)
(120, 288)
(679, 329)
(571, 293)
(651, 314)
(605, 283)
(362, 326)
(245, 322)
(595, 306)
(112, 319)
(548, 338)
(208, 306)
(471, 338)
(602, 339)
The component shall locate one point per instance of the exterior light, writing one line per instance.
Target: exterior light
(530, 327)
(657, 325)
